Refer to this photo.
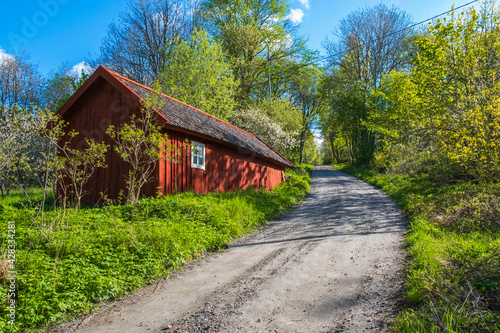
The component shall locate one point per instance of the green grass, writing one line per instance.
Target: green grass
(453, 277)
(72, 260)
(18, 198)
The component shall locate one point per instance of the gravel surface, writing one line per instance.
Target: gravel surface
(333, 264)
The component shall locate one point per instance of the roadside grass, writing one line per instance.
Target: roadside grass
(75, 259)
(453, 277)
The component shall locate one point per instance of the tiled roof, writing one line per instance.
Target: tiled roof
(189, 118)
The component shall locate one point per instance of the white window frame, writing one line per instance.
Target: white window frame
(195, 163)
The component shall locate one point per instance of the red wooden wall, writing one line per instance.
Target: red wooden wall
(102, 105)
(226, 168)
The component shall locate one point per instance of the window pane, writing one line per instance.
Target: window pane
(198, 155)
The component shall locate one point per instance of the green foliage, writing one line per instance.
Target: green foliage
(302, 170)
(306, 94)
(70, 263)
(453, 278)
(344, 119)
(141, 143)
(447, 104)
(61, 86)
(458, 62)
(197, 73)
(369, 43)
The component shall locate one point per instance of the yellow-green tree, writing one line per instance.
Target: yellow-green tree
(197, 73)
(458, 92)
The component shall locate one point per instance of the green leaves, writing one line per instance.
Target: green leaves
(256, 38)
(196, 73)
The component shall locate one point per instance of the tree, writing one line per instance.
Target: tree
(197, 74)
(458, 94)
(141, 144)
(376, 41)
(20, 83)
(76, 166)
(370, 42)
(257, 122)
(61, 85)
(258, 38)
(16, 129)
(305, 92)
(139, 44)
(343, 118)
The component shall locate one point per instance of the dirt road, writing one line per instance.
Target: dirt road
(333, 264)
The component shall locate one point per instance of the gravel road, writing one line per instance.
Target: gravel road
(333, 264)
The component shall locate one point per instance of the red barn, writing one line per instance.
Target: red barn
(224, 157)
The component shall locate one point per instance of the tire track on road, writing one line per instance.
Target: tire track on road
(333, 264)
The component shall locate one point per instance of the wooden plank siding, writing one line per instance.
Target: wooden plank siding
(103, 107)
(225, 169)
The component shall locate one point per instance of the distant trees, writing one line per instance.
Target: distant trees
(20, 83)
(27, 102)
(369, 42)
(19, 149)
(60, 85)
(307, 97)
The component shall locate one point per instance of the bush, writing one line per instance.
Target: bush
(302, 170)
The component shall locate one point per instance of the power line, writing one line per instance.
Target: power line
(399, 31)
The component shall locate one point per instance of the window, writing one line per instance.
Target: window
(197, 155)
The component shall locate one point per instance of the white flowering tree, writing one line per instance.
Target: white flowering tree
(257, 122)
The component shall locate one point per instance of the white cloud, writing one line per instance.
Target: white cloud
(77, 69)
(296, 15)
(305, 3)
(5, 56)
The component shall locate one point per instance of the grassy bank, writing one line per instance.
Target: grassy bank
(71, 260)
(453, 277)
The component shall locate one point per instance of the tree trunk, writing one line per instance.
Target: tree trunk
(302, 145)
(335, 152)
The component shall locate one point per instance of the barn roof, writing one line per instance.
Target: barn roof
(182, 116)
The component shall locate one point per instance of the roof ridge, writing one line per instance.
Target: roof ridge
(190, 106)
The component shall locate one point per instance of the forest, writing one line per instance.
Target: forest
(412, 108)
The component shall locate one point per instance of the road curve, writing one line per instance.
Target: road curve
(333, 264)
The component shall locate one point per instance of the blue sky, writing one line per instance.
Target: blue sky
(56, 31)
